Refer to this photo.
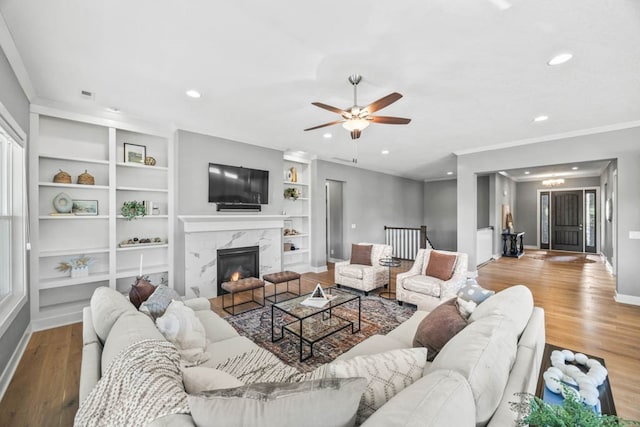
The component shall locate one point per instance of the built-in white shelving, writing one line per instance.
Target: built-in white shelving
(298, 213)
(75, 143)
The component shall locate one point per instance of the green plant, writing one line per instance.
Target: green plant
(291, 193)
(572, 413)
(77, 262)
(133, 209)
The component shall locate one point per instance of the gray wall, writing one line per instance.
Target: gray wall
(14, 99)
(503, 192)
(371, 201)
(194, 152)
(527, 203)
(440, 211)
(607, 187)
(483, 201)
(622, 145)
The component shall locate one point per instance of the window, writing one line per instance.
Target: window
(544, 220)
(12, 228)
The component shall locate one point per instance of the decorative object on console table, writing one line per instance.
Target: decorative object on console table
(512, 244)
(86, 178)
(85, 207)
(133, 209)
(134, 153)
(62, 177)
(78, 266)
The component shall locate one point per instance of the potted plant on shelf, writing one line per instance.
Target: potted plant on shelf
(78, 266)
(133, 209)
(291, 193)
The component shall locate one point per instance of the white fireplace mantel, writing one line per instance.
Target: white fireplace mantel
(206, 223)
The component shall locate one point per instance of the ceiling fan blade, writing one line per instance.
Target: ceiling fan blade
(326, 124)
(333, 109)
(389, 120)
(382, 102)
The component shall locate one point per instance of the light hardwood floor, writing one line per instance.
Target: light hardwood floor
(580, 314)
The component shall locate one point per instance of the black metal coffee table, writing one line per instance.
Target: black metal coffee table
(312, 324)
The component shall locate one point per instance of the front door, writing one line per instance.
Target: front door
(567, 221)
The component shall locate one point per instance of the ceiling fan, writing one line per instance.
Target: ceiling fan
(356, 118)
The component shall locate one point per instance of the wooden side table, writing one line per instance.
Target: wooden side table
(606, 397)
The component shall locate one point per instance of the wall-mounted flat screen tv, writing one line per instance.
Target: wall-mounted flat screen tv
(233, 184)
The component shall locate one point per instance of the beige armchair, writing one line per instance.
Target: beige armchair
(427, 292)
(365, 277)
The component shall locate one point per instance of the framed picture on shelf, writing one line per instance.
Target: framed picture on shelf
(85, 207)
(134, 153)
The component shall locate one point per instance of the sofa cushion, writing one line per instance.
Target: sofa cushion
(483, 353)
(372, 345)
(107, 305)
(325, 402)
(440, 265)
(425, 285)
(386, 373)
(354, 271)
(130, 328)
(215, 327)
(405, 332)
(515, 303)
(220, 351)
(199, 378)
(438, 327)
(180, 326)
(158, 301)
(361, 254)
(441, 398)
(473, 292)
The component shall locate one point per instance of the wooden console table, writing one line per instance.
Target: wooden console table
(512, 244)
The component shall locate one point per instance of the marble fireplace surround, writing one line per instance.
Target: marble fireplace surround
(205, 234)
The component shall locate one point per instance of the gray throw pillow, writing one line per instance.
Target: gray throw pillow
(438, 327)
(317, 403)
(472, 291)
(157, 303)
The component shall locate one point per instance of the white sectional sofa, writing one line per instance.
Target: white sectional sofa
(470, 382)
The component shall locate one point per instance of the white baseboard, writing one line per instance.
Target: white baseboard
(608, 266)
(10, 369)
(54, 322)
(496, 256)
(531, 247)
(320, 269)
(627, 299)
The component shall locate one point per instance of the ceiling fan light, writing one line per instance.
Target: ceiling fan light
(355, 124)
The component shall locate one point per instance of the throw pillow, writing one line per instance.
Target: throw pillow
(386, 373)
(140, 291)
(326, 402)
(440, 265)
(361, 254)
(107, 305)
(466, 308)
(157, 303)
(472, 291)
(198, 379)
(438, 327)
(180, 326)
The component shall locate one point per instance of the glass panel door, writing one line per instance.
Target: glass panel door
(544, 220)
(590, 221)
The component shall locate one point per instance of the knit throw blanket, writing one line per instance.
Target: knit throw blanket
(144, 382)
(259, 366)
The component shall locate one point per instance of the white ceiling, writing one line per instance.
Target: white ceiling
(472, 74)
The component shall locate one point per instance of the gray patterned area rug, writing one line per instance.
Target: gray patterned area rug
(379, 316)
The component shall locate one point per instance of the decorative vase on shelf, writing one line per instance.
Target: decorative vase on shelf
(82, 271)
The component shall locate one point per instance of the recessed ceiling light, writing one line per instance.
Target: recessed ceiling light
(541, 118)
(449, 173)
(192, 93)
(575, 168)
(113, 109)
(560, 59)
(527, 172)
(327, 135)
(385, 151)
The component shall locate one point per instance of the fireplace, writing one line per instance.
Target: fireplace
(237, 263)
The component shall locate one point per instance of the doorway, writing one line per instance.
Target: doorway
(335, 224)
(568, 220)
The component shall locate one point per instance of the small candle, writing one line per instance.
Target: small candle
(141, 255)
